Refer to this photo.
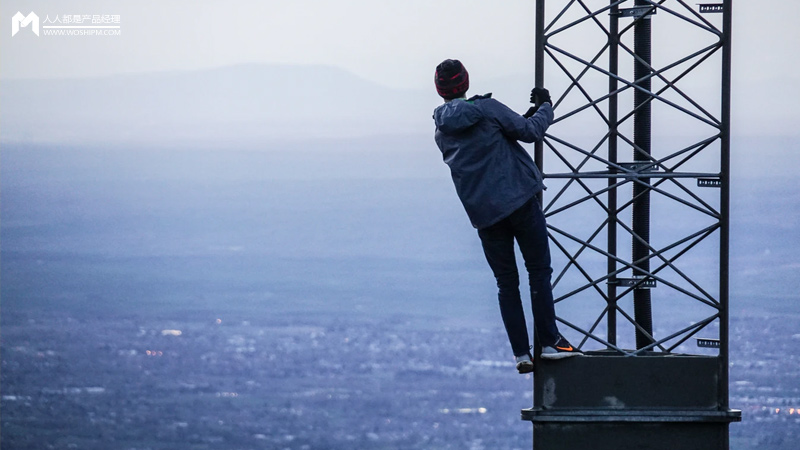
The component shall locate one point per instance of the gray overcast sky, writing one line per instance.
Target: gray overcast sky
(395, 43)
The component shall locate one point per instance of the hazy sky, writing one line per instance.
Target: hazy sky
(395, 43)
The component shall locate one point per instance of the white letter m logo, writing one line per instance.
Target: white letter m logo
(20, 20)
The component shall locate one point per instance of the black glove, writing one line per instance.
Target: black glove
(540, 95)
(531, 111)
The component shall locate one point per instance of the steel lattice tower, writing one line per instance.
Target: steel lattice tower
(637, 166)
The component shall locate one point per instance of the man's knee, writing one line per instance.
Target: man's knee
(508, 280)
(539, 273)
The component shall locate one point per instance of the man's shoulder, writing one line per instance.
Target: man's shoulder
(475, 98)
(490, 106)
(486, 101)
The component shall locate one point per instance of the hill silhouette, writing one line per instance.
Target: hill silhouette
(241, 102)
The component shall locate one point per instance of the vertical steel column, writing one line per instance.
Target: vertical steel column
(613, 84)
(539, 75)
(538, 155)
(641, 191)
(725, 163)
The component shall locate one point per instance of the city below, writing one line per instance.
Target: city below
(315, 382)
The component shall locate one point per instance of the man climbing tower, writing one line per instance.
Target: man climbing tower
(497, 182)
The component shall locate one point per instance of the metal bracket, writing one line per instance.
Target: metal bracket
(636, 168)
(637, 12)
(638, 165)
(706, 8)
(639, 283)
(708, 343)
(709, 182)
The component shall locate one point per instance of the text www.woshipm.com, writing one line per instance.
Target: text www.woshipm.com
(115, 32)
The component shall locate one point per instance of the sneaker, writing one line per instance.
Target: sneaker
(561, 349)
(524, 364)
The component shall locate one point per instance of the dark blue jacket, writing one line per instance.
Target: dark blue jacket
(492, 173)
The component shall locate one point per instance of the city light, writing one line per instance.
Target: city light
(463, 410)
(787, 411)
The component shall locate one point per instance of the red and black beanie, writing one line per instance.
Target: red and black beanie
(452, 79)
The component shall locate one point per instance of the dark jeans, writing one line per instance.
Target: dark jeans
(527, 226)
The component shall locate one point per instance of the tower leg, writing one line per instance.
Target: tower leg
(642, 307)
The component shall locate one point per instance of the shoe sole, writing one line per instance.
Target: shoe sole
(560, 355)
(527, 368)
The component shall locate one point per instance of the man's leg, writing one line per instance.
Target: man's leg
(530, 230)
(498, 246)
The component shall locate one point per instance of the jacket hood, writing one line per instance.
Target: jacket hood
(456, 115)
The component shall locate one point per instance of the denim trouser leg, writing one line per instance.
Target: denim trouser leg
(498, 246)
(527, 226)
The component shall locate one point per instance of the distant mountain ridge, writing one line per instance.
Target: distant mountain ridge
(253, 103)
(241, 102)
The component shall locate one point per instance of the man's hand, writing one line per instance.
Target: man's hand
(531, 111)
(540, 95)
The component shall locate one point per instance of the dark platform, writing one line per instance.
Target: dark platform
(606, 401)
